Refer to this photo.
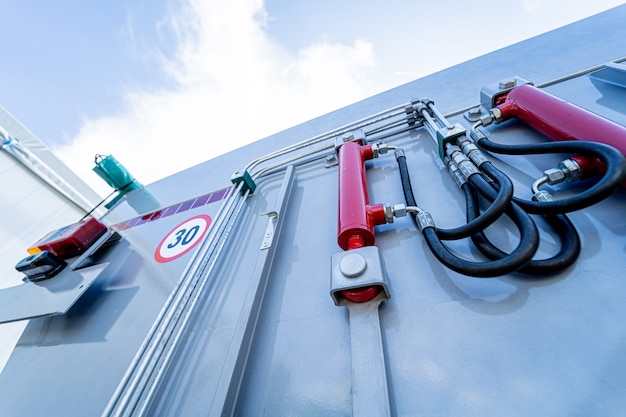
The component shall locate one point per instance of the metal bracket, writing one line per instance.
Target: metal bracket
(612, 73)
(449, 135)
(357, 135)
(490, 93)
(268, 237)
(87, 258)
(244, 176)
(357, 268)
(49, 297)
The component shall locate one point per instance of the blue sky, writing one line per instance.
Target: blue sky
(66, 61)
(107, 77)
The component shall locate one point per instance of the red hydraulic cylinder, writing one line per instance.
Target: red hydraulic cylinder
(357, 217)
(559, 119)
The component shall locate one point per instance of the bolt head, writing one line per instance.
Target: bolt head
(353, 265)
(507, 84)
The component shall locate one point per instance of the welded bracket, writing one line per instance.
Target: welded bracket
(357, 268)
(489, 94)
(357, 135)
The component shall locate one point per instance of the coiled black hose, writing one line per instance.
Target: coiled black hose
(612, 158)
(526, 248)
(480, 222)
(568, 237)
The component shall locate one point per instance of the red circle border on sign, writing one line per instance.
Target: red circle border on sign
(161, 259)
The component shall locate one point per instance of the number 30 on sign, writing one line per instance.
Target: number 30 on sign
(182, 238)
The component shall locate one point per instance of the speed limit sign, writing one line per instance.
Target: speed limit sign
(182, 238)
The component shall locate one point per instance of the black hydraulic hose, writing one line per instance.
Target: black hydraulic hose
(612, 158)
(568, 235)
(527, 246)
(569, 244)
(487, 217)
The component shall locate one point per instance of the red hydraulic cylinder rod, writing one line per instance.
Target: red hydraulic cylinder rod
(559, 119)
(357, 217)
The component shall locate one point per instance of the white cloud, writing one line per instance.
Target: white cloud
(233, 84)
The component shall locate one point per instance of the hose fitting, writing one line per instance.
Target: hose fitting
(424, 220)
(455, 172)
(466, 167)
(542, 196)
(471, 150)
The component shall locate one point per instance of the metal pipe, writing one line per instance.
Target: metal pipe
(430, 124)
(366, 121)
(440, 117)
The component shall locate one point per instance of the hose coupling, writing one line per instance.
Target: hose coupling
(568, 170)
(542, 196)
(572, 170)
(380, 148)
(411, 115)
(424, 220)
(465, 165)
(494, 115)
(455, 172)
(477, 134)
(472, 151)
(397, 210)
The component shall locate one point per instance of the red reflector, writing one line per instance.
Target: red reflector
(70, 240)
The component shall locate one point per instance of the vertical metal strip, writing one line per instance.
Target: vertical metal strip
(370, 392)
(228, 387)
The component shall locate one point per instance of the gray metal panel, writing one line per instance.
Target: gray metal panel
(453, 345)
(100, 334)
(46, 298)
